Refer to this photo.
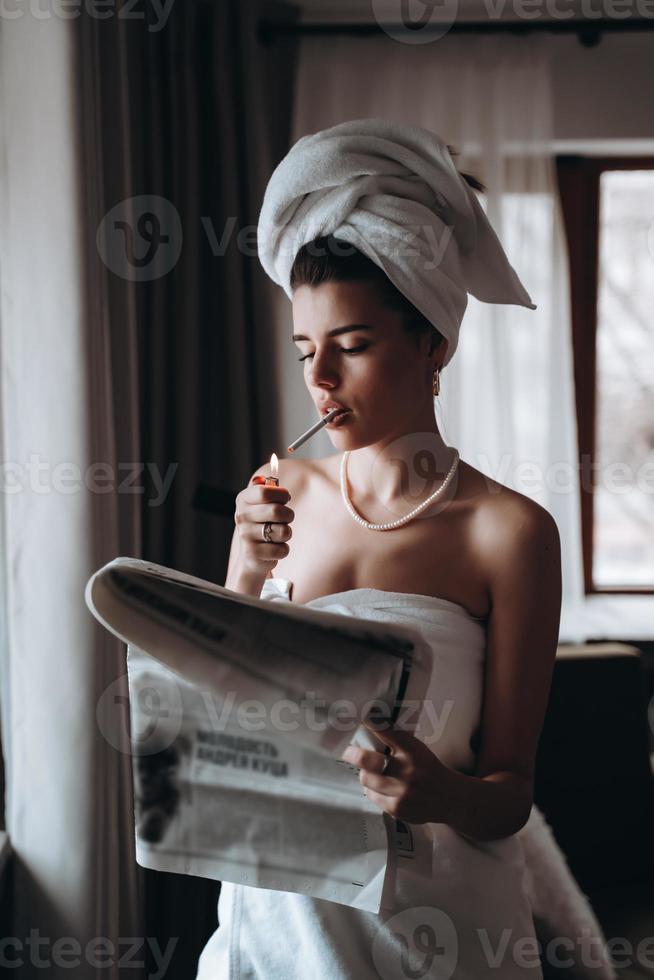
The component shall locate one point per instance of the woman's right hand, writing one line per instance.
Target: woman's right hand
(255, 505)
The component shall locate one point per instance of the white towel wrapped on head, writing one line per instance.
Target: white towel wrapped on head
(392, 191)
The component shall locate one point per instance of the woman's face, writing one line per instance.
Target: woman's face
(374, 368)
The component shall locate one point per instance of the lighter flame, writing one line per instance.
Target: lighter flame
(274, 465)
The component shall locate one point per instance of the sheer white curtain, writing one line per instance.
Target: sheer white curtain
(507, 397)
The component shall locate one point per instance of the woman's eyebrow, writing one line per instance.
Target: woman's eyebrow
(337, 330)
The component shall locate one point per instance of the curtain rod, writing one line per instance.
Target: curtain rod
(589, 32)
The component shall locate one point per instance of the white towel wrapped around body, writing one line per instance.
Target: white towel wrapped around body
(392, 191)
(489, 902)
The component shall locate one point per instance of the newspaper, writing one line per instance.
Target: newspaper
(240, 709)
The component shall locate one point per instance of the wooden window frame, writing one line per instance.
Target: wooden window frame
(579, 181)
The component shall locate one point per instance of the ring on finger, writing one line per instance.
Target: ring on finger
(266, 531)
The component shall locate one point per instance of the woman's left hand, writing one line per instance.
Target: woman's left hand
(416, 786)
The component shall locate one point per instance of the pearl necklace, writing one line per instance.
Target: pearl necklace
(401, 520)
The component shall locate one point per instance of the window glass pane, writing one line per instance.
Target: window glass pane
(623, 552)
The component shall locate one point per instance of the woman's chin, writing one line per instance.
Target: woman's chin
(347, 440)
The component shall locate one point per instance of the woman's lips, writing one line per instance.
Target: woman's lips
(340, 418)
(330, 408)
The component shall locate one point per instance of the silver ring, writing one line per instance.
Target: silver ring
(266, 530)
(387, 762)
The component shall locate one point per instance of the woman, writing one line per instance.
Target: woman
(472, 563)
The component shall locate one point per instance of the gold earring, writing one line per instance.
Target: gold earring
(436, 382)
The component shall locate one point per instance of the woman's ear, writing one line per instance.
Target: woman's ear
(435, 339)
(437, 344)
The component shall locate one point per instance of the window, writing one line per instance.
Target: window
(608, 208)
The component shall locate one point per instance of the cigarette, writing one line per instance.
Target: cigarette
(312, 431)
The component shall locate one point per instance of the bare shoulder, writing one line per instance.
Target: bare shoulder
(501, 514)
(512, 522)
(514, 536)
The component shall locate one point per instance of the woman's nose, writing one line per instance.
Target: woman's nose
(323, 370)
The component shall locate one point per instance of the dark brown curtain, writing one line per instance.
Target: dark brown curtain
(196, 117)
(211, 118)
